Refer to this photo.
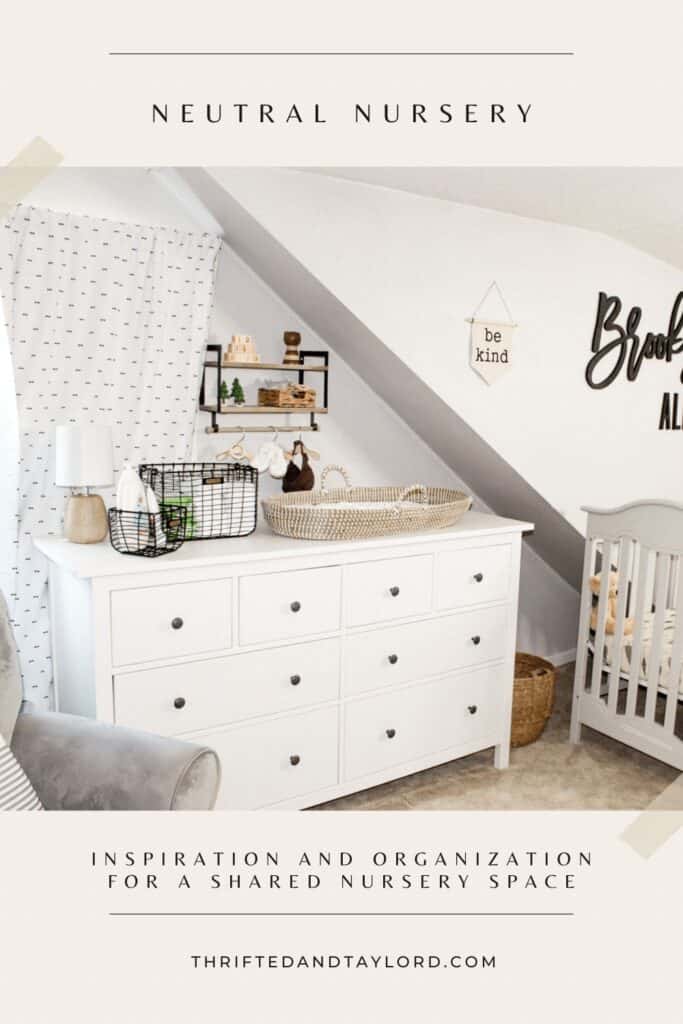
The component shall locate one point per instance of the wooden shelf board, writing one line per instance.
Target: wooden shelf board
(264, 410)
(309, 368)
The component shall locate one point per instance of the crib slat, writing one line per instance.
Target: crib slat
(655, 654)
(580, 679)
(618, 639)
(584, 617)
(672, 592)
(676, 656)
(599, 639)
(637, 638)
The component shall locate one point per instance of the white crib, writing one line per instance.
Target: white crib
(629, 687)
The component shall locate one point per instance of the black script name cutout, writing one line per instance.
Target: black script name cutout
(614, 344)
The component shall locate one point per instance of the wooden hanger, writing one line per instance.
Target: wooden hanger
(236, 451)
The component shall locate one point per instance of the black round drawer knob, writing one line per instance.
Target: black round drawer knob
(478, 576)
(394, 591)
(393, 658)
(294, 760)
(295, 680)
(177, 623)
(472, 708)
(476, 640)
(179, 703)
(391, 733)
(295, 606)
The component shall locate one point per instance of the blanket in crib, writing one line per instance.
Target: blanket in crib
(646, 650)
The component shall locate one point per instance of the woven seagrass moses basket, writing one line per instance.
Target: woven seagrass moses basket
(353, 513)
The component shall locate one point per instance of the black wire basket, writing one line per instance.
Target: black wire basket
(148, 534)
(221, 498)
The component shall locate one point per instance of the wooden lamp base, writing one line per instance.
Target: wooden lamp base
(85, 519)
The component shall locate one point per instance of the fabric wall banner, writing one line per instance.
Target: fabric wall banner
(490, 339)
(106, 324)
(490, 348)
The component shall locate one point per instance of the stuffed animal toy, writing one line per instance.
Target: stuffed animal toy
(612, 592)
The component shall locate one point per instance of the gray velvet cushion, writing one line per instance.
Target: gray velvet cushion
(79, 764)
(10, 676)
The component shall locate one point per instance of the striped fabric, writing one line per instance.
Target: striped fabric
(16, 792)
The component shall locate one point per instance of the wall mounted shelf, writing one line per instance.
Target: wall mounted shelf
(251, 410)
(267, 366)
(301, 369)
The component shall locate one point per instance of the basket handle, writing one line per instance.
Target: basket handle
(336, 469)
(418, 489)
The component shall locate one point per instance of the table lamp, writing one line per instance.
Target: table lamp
(84, 460)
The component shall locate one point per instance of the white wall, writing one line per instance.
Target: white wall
(361, 432)
(412, 269)
(120, 193)
(368, 437)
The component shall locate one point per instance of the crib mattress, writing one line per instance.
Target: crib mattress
(626, 653)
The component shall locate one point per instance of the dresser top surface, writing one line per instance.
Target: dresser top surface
(96, 560)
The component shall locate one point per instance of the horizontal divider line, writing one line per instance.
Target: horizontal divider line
(341, 53)
(340, 913)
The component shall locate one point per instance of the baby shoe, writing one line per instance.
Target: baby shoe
(263, 457)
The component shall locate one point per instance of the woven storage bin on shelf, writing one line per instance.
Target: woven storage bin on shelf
(533, 698)
(353, 513)
(295, 396)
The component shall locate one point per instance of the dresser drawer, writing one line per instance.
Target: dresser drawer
(203, 694)
(289, 605)
(416, 650)
(405, 725)
(393, 588)
(268, 762)
(473, 576)
(171, 621)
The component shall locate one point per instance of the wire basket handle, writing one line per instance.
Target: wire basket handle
(417, 489)
(332, 468)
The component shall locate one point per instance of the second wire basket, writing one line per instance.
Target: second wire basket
(148, 534)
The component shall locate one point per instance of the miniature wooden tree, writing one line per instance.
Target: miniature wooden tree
(224, 393)
(237, 392)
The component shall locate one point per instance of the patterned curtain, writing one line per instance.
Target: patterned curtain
(106, 324)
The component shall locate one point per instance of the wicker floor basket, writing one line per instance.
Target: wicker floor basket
(533, 698)
(353, 513)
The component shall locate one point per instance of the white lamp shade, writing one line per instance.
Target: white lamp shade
(84, 456)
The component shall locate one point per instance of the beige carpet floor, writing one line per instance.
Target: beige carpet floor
(550, 774)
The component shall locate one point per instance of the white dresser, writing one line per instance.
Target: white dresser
(313, 669)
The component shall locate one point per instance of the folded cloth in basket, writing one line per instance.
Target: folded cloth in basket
(626, 654)
(225, 508)
(187, 504)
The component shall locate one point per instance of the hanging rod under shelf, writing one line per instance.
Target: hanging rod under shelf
(307, 427)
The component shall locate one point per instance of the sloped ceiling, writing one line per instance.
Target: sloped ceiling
(642, 206)
(472, 459)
